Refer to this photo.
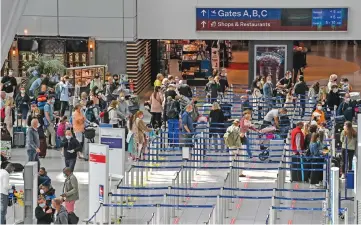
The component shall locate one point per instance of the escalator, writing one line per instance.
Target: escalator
(11, 12)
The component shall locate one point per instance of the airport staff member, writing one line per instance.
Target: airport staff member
(4, 190)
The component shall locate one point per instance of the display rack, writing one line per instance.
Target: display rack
(225, 53)
(77, 59)
(176, 49)
(164, 56)
(84, 74)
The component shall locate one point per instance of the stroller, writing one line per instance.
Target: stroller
(267, 134)
(89, 135)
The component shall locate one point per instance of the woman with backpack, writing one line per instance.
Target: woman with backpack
(91, 112)
(112, 111)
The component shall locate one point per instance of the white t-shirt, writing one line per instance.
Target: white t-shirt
(4, 182)
(271, 115)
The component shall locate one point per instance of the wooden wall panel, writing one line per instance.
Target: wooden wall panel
(139, 72)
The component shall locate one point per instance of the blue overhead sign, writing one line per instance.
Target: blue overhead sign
(271, 19)
(235, 13)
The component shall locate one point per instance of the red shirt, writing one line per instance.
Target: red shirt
(295, 132)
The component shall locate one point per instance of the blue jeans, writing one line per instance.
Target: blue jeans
(70, 163)
(173, 132)
(33, 156)
(4, 207)
(248, 148)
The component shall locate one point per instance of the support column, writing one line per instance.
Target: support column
(31, 191)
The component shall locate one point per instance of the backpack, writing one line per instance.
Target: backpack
(232, 139)
(195, 113)
(172, 110)
(72, 218)
(2, 113)
(105, 116)
(89, 115)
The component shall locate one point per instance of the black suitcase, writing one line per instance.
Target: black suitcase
(296, 175)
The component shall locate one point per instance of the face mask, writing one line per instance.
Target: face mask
(269, 81)
(36, 114)
(334, 90)
(10, 74)
(64, 175)
(347, 100)
(42, 191)
(22, 91)
(42, 205)
(344, 127)
(122, 98)
(68, 137)
(84, 107)
(53, 101)
(319, 107)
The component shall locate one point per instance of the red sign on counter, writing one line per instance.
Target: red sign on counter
(97, 158)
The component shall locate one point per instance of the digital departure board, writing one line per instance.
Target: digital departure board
(271, 19)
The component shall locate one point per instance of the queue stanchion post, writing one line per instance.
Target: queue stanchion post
(183, 182)
(324, 212)
(345, 216)
(137, 183)
(177, 183)
(121, 202)
(158, 214)
(142, 170)
(335, 173)
(166, 210)
(173, 202)
(219, 210)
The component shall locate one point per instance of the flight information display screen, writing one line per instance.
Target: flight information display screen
(271, 19)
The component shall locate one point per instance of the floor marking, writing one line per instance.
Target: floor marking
(293, 204)
(248, 178)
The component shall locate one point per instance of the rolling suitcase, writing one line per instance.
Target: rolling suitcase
(19, 134)
(43, 147)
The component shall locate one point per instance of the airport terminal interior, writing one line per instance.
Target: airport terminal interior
(246, 116)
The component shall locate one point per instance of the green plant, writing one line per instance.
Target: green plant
(45, 65)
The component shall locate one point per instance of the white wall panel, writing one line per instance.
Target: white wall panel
(91, 8)
(102, 19)
(38, 25)
(91, 27)
(130, 9)
(129, 27)
(170, 19)
(40, 8)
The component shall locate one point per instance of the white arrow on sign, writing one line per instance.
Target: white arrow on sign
(203, 12)
(203, 23)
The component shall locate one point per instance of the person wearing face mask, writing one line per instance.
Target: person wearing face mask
(48, 192)
(70, 189)
(331, 82)
(8, 84)
(49, 119)
(96, 82)
(319, 114)
(257, 102)
(333, 98)
(139, 129)
(71, 147)
(43, 213)
(346, 108)
(123, 108)
(114, 114)
(22, 101)
(64, 94)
